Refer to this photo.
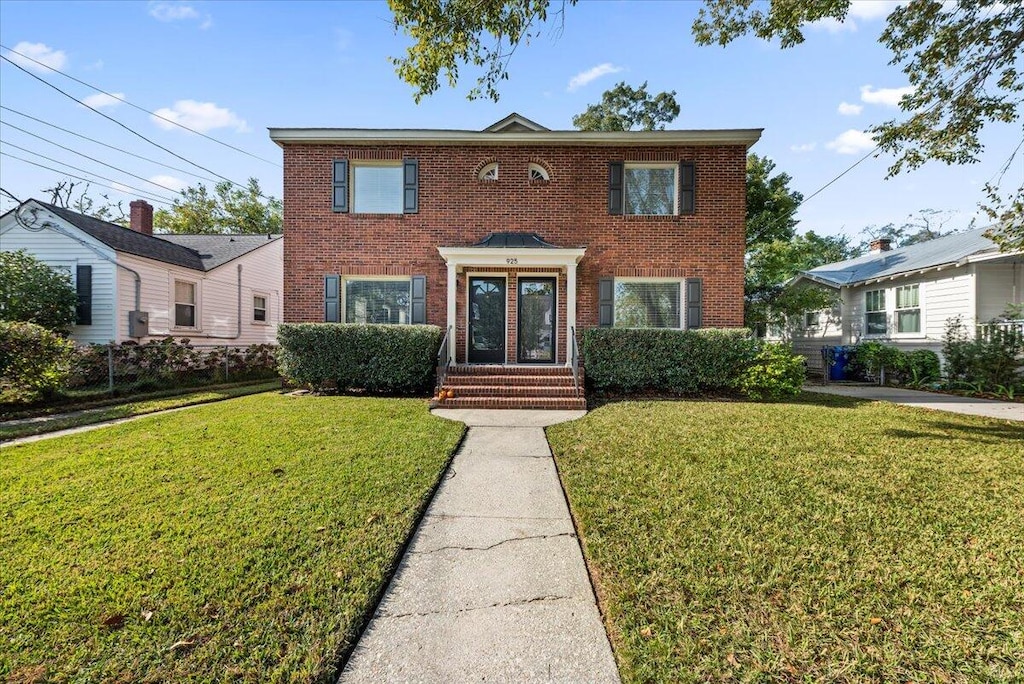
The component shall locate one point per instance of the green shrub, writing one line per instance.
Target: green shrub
(34, 362)
(32, 292)
(776, 373)
(869, 360)
(670, 361)
(982, 364)
(923, 367)
(386, 359)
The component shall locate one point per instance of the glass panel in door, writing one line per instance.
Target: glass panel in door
(487, 320)
(536, 320)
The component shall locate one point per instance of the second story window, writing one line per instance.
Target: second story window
(376, 189)
(650, 189)
(489, 172)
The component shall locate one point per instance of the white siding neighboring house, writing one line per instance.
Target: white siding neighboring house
(212, 289)
(905, 296)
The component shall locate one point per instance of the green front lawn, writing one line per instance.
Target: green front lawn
(820, 540)
(243, 540)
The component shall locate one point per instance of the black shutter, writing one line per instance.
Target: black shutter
(694, 303)
(410, 186)
(339, 201)
(616, 187)
(332, 299)
(83, 285)
(605, 302)
(419, 300)
(687, 187)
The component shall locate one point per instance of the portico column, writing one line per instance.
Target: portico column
(570, 309)
(452, 327)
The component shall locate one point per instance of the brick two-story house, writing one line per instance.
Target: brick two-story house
(516, 237)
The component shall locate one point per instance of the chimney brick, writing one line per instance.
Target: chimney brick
(880, 245)
(142, 217)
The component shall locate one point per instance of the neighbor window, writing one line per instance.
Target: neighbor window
(378, 301)
(184, 304)
(259, 308)
(648, 304)
(875, 318)
(650, 189)
(908, 309)
(377, 188)
(812, 319)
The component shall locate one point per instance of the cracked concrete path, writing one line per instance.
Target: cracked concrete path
(493, 586)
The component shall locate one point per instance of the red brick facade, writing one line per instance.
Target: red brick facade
(569, 210)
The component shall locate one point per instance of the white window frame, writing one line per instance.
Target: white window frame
(682, 299)
(483, 175)
(343, 293)
(196, 305)
(266, 308)
(650, 165)
(892, 313)
(897, 310)
(812, 323)
(355, 165)
(534, 168)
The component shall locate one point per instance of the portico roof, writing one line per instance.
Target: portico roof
(512, 249)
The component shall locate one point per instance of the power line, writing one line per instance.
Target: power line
(80, 154)
(141, 109)
(98, 142)
(57, 161)
(145, 193)
(124, 126)
(848, 170)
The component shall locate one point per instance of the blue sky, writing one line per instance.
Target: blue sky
(233, 69)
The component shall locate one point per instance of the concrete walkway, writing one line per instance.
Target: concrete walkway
(1007, 410)
(493, 586)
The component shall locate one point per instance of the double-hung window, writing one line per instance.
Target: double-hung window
(648, 303)
(908, 309)
(651, 189)
(812, 319)
(185, 304)
(875, 319)
(378, 300)
(259, 308)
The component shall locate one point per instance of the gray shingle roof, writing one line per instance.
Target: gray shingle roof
(197, 252)
(938, 252)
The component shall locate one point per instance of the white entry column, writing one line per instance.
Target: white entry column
(452, 323)
(570, 308)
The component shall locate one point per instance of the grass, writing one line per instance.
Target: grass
(245, 540)
(127, 409)
(820, 540)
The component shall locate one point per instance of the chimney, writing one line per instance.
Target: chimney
(877, 245)
(142, 217)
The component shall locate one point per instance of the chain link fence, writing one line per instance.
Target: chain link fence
(129, 368)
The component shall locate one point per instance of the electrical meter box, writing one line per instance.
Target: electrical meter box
(138, 323)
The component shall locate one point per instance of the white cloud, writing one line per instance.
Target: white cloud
(342, 39)
(101, 100)
(40, 52)
(833, 25)
(584, 77)
(852, 142)
(121, 187)
(884, 96)
(872, 9)
(847, 109)
(803, 147)
(172, 11)
(200, 116)
(170, 182)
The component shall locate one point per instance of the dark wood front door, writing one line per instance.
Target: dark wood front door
(486, 320)
(537, 312)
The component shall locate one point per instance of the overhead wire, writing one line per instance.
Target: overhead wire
(122, 125)
(144, 193)
(141, 109)
(100, 142)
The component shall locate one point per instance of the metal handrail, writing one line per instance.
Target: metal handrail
(575, 359)
(443, 360)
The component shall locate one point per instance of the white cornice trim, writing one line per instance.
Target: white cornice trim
(499, 256)
(369, 136)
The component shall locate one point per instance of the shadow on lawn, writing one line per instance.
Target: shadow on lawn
(599, 399)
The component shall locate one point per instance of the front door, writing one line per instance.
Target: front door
(537, 323)
(486, 320)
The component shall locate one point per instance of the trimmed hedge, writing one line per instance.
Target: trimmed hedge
(776, 373)
(669, 361)
(34, 362)
(383, 359)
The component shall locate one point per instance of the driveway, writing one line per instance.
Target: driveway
(1006, 410)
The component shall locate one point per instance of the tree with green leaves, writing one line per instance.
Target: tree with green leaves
(624, 108)
(772, 264)
(925, 225)
(771, 205)
(228, 209)
(961, 57)
(32, 292)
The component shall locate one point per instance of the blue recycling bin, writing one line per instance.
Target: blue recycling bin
(840, 360)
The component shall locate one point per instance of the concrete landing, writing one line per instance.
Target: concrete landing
(493, 586)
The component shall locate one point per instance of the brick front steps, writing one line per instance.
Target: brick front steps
(512, 387)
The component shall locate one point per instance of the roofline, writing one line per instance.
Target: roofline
(376, 136)
(803, 275)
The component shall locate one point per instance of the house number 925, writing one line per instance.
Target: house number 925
(512, 261)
